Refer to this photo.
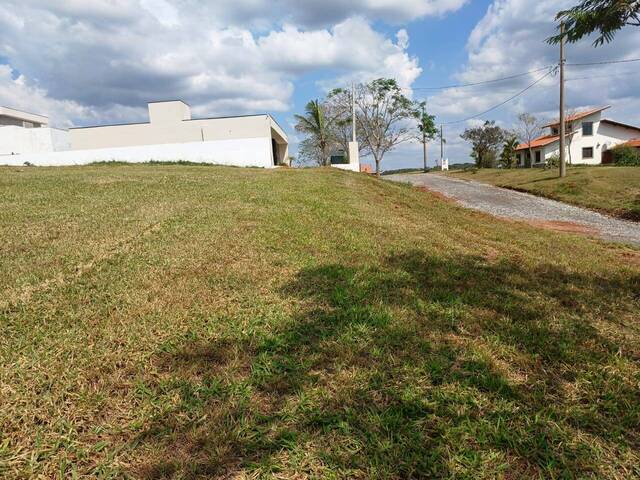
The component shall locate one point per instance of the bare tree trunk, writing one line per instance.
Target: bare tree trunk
(530, 156)
(377, 160)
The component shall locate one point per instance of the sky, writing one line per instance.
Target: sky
(92, 62)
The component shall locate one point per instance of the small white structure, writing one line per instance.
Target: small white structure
(445, 164)
(171, 135)
(354, 159)
(588, 137)
(24, 133)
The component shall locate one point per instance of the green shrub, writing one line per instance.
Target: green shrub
(626, 156)
(552, 162)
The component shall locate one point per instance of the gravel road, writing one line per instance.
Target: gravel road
(522, 206)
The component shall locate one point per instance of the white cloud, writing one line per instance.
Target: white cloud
(17, 92)
(109, 56)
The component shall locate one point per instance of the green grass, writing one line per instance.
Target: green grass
(613, 190)
(186, 322)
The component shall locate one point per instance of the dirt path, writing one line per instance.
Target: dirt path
(522, 206)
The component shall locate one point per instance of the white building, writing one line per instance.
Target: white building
(25, 133)
(172, 135)
(588, 136)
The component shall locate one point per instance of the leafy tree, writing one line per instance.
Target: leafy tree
(485, 141)
(383, 117)
(339, 105)
(427, 129)
(317, 127)
(529, 128)
(508, 155)
(603, 16)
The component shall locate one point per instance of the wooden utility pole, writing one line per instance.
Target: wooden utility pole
(441, 147)
(424, 140)
(563, 167)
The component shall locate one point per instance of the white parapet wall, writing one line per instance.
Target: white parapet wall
(245, 152)
(347, 166)
(20, 140)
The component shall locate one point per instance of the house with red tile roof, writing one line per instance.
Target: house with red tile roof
(588, 137)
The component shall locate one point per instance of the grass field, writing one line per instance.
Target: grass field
(613, 190)
(203, 322)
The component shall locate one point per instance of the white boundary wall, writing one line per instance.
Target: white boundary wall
(347, 166)
(20, 140)
(246, 152)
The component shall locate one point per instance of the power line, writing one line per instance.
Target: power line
(484, 82)
(504, 102)
(618, 74)
(518, 75)
(602, 63)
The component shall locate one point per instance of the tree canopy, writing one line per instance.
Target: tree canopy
(485, 141)
(603, 16)
(318, 128)
(383, 120)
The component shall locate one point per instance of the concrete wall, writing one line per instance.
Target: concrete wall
(246, 152)
(20, 140)
(167, 132)
(354, 159)
(169, 112)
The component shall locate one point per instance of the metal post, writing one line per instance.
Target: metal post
(563, 167)
(353, 110)
(424, 140)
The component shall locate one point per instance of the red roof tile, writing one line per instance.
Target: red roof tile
(539, 142)
(577, 116)
(632, 143)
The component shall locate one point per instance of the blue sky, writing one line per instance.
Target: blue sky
(85, 62)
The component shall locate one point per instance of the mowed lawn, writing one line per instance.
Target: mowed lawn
(203, 322)
(613, 190)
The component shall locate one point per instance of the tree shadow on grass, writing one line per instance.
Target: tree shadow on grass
(414, 367)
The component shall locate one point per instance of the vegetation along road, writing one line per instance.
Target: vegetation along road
(608, 189)
(195, 322)
(522, 206)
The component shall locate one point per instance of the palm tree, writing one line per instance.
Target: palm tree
(314, 123)
(508, 156)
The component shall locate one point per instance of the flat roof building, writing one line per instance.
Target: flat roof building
(170, 122)
(17, 118)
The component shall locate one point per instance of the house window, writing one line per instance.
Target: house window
(587, 129)
(538, 156)
(554, 131)
(587, 152)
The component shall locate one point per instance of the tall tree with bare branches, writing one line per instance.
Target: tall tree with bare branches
(529, 128)
(384, 117)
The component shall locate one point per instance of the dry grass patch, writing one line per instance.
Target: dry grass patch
(237, 323)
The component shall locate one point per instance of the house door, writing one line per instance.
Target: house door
(274, 147)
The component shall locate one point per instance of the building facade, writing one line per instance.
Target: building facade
(588, 136)
(172, 135)
(28, 133)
